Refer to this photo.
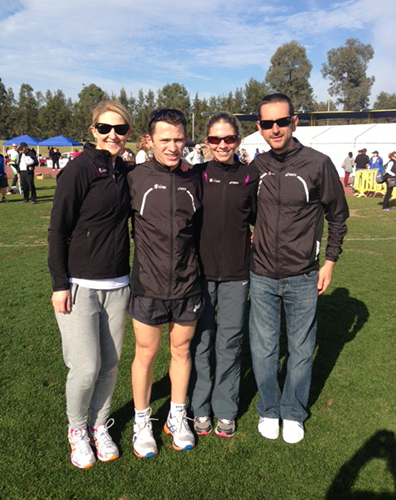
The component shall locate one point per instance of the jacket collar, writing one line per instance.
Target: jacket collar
(296, 147)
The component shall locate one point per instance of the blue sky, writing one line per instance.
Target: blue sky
(210, 46)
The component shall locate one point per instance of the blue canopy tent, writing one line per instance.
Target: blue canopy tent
(30, 141)
(60, 141)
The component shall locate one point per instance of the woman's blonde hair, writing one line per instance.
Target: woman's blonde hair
(111, 105)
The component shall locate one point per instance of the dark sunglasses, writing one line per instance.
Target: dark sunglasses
(229, 139)
(105, 128)
(163, 113)
(281, 122)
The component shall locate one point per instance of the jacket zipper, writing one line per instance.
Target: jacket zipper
(277, 224)
(171, 234)
(221, 228)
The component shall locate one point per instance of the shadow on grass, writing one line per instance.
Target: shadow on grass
(340, 318)
(382, 446)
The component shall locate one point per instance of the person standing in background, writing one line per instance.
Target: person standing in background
(348, 165)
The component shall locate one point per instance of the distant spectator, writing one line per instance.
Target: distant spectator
(27, 160)
(348, 167)
(195, 156)
(3, 180)
(12, 154)
(142, 149)
(389, 177)
(55, 159)
(375, 161)
(256, 153)
(361, 160)
(243, 156)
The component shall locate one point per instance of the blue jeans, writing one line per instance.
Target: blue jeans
(299, 295)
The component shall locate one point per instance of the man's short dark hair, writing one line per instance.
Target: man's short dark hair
(275, 98)
(167, 115)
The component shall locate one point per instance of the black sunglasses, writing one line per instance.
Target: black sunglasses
(162, 113)
(229, 139)
(281, 122)
(105, 128)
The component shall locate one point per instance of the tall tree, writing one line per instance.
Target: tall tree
(346, 69)
(55, 115)
(254, 92)
(88, 99)
(10, 114)
(176, 96)
(199, 107)
(27, 114)
(144, 105)
(385, 101)
(289, 74)
(3, 101)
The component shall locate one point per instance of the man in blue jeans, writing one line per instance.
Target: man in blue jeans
(298, 186)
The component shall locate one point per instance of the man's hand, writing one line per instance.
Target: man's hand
(61, 301)
(325, 275)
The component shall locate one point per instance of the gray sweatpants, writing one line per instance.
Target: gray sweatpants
(220, 328)
(92, 337)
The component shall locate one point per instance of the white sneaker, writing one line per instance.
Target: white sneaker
(269, 427)
(144, 445)
(106, 449)
(293, 432)
(177, 426)
(81, 452)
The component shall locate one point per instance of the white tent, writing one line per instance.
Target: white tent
(337, 140)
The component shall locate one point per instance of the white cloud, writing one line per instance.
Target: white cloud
(210, 46)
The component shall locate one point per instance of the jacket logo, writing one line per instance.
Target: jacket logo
(233, 182)
(218, 181)
(102, 170)
(290, 175)
(159, 186)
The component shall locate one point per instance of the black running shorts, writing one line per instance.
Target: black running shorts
(158, 312)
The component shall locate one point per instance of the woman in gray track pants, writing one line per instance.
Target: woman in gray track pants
(89, 264)
(229, 207)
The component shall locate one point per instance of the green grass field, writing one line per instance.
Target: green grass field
(350, 447)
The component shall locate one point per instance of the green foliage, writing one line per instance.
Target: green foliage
(349, 449)
(52, 114)
(289, 74)
(27, 112)
(385, 101)
(346, 69)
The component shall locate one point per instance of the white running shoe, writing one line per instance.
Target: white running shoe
(81, 452)
(203, 426)
(269, 427)
(177, 426)
(106, 449)
(144, 445)
(293, 432)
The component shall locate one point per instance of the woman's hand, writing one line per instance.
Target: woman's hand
(61, 301)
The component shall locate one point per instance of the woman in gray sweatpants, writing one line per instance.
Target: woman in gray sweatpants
(89, 264)
(229, 207)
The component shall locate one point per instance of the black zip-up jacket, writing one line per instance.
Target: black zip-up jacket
(88, 235)
(229, 207)
(165, 206)
(295, 191)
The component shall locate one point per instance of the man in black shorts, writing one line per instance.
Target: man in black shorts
(165, 285)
